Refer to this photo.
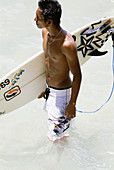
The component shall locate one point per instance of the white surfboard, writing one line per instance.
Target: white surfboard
(27, 81)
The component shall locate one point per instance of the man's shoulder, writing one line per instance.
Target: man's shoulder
(69, 44)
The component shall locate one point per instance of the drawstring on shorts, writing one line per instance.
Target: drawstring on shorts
(47, 91)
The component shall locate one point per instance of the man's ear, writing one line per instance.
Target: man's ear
(49, 22)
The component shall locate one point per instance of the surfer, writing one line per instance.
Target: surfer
(60, 58)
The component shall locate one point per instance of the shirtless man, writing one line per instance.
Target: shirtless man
(60, 58)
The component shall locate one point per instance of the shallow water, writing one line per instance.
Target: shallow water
(23, 144)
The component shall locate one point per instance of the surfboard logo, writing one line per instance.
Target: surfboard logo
(105, 24)
(85, 45)
(94, 37)
(13, 92)
(16, 78)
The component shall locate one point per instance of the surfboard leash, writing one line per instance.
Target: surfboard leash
(80, 111)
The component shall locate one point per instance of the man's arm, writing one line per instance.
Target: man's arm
(44, 31)
(70, 51)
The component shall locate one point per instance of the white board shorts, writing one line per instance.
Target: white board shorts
(55, 106)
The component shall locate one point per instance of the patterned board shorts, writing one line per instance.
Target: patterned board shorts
(55, 105)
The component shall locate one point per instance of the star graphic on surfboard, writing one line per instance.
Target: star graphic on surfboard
(85, 45)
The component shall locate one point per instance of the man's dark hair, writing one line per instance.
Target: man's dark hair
(51, 9)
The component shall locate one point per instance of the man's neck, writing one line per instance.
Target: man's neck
(53, 31)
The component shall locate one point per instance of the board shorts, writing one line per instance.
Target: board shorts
(55, 105)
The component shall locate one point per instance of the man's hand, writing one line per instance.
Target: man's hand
(41, 95)
(70, 111)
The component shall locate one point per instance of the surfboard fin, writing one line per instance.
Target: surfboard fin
(97, 53)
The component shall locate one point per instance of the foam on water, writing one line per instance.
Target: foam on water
(23, 144)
